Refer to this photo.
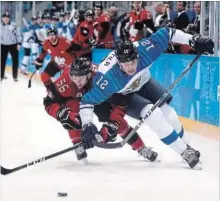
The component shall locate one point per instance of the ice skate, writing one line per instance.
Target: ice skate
(197, 153)
(24, 72)
(147, 153)
(190, 157)
(81, 154)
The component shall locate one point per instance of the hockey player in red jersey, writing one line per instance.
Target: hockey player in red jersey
(62, 53)
(85, 34)
(63, 104)
(139, 19)
(102, 27)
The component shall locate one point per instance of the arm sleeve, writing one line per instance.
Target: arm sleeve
(105, 28)
(178, 36)
(42, 55)
(152, 47)
(99, 93)
(18, 34)
(73, 48)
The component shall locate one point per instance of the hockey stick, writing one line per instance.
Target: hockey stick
(72, 16)
(29, 82)
(5, 171)
(157, 104)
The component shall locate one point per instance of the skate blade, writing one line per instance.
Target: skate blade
(156, 161)
(198, 166)
(84, 161)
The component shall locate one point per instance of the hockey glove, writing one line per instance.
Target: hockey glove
(202, 44)
(191, 29)
(109, 130)
(89, 132)
(68, 118)
(38, 64)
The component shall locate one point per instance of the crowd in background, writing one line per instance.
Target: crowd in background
(100, 27)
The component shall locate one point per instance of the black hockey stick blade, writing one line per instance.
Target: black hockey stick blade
(107, 145)
(29, 84)
(5, 171)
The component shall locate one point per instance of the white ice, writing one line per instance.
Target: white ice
(28, 133)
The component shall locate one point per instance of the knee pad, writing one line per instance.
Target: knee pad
(157, 122)
(171, 116)
(25, 62)
(27, 51)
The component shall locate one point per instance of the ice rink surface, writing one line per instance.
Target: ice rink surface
(28, 133)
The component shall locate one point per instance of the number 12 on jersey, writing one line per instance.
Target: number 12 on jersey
(102, 83)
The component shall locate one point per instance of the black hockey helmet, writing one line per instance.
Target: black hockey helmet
(126, 51)
(80, 67)
(98, 5)
(52, 30)
(6, 14)
(34, 18)
(89, 12)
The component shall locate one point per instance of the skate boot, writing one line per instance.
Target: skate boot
(81, 154)
(24, 72)
(147, 153)
(197, 153)
(190, 157)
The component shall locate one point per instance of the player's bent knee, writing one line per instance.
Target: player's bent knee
(27, 51)
(157, 122)
(172, 117)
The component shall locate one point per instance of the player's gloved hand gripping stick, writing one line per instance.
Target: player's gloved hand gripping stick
(157, 104)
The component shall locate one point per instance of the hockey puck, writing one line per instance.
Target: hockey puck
(62, 194)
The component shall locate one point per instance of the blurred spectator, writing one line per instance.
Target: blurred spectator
(84, 35)
(57, 6)
(10, 43)
(163, 18)
(140, 22)
(182, 20)
(194, 28)
(102, 27)
(158, 9)
(113, 11)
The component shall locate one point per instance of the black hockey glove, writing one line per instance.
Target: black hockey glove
(202, 44)
(110, 130)
(38, 64)
(88, 134)
(68, 119)
(191, 29)
(139, 25)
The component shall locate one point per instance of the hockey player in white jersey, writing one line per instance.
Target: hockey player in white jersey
(30, 44)
(126, 70)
